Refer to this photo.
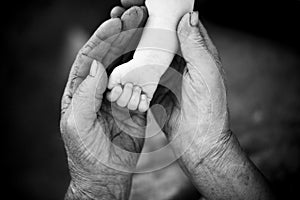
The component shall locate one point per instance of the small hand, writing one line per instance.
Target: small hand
(98, 135)
(133, 86)
(152, 57)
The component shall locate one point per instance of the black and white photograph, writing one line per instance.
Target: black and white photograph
(151, 99)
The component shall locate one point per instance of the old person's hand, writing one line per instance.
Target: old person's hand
(196, 108)
(102, 140)
(197, 122)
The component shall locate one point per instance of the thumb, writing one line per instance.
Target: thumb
(88, 98)
(194, 40)
(203, 67)
(198, 51)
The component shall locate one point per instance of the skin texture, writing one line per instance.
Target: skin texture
(212, 158)
(129, 3)
(153, 56)
(89, 128)
(117, 12)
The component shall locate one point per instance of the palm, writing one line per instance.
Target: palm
(187, 104)
(124, 133)
(110, 141)
(169, 94)
(200, 107)
(101, 140)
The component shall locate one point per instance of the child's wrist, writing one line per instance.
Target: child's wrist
(166, 22)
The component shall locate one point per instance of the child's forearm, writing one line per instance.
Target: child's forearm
(152, 57)
(158, 44)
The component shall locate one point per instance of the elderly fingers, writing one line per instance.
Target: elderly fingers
(106, 30)
(203, 75)
(132, 19)
(193, 42)
(190, 38)
(96, 48)
(117, 12)
(129, 3)
(88, 98)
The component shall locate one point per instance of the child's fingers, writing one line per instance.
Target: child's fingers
(115, 93)
(135, 98)
(125, 96)
(144, 104)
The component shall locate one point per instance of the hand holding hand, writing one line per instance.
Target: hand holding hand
(198, 123)
(98, 135)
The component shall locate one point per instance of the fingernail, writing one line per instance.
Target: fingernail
(143, 97)
(194, 19)
(94, 68)
(129, 85)
(137, 88)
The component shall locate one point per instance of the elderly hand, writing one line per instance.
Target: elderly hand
(98, 135)
(196, 108)
(197, 120)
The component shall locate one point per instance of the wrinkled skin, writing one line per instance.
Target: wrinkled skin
(80, 119)
(92, 133)
(129, 3)
(197, 105)
(197, 121)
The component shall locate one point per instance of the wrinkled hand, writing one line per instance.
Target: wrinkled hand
(198, 124)
(196, 108)
(96, 132)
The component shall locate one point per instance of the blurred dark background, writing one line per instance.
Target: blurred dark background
(259, 44)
